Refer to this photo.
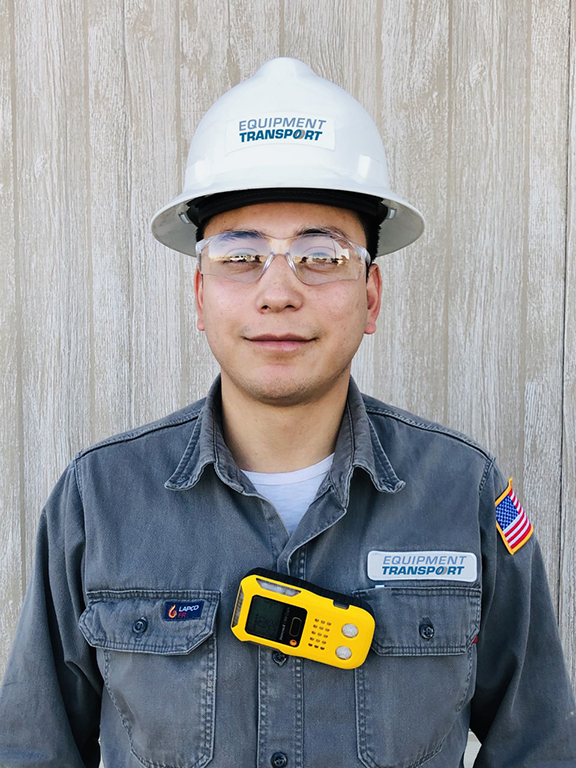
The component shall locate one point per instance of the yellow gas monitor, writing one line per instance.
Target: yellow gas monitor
(301, 619)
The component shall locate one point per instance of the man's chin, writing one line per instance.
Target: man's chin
(283, 394)
(284, 391)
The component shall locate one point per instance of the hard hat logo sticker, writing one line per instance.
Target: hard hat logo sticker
(280, 129)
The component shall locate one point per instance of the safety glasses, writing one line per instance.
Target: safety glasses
(315, 258)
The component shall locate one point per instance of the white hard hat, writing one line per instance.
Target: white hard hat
(286, 134)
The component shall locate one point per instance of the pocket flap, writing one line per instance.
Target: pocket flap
(420, 621)
(149, 621)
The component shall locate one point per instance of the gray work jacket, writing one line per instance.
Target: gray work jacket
(162, 515)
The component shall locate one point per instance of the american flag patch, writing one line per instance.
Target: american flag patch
(511, 520)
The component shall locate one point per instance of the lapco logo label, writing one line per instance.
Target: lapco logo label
(280, 128)
(180, 611)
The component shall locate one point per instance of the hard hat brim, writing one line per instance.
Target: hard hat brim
(404, 224)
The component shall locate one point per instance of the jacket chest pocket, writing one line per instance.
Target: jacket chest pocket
(159, 658)
(418, 674)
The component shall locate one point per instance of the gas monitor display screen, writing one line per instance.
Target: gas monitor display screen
(275, 620)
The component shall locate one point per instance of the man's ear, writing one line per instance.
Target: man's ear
(373, 297)
(199, 299)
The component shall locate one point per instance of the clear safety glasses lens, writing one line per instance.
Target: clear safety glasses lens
(315, 258)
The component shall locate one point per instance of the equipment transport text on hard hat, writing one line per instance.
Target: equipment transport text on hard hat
(277, 128)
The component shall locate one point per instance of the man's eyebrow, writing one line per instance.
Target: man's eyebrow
(302, 231)
(242, 232)
(322, 231)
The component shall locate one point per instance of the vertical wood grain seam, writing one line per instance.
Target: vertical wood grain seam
(378, 111)
(178, 173)
(129, 240)
(567, 221)
(88, 207)
(525, 235)
(526, 242)
(18, 297)
(130, 211)
(449, 208)
(282, 29)
(229, 46)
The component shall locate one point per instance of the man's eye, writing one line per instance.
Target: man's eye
(242, 257)
(321, 259)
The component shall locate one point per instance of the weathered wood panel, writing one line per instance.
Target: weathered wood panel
(567, 548)
(487, 189)
(50, 139)
(544, 256)
(108, 210)
(414, 115)
(11, 572)
(152, 58)
(507, 193)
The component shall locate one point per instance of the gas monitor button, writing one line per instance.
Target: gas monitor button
(343, 652)
(349, 630)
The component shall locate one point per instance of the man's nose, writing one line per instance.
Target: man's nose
(278, 287)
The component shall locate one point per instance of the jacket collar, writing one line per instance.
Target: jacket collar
(357, 445)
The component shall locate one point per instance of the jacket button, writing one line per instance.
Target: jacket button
(278, 760)
(140, 626)
(427, 631)
(279, 658)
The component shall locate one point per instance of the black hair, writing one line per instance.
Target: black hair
(371, 229)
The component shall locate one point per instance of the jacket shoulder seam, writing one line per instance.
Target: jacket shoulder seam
(125, 437)
(490, 461)
(78, 477)
(430, 426)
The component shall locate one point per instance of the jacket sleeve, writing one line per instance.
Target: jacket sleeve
(523, 708)
(50, 696)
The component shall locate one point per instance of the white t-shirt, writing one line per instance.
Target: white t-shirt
(291, 493)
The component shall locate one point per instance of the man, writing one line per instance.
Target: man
(125, 633)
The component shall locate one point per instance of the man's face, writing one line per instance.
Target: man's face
(277, 340)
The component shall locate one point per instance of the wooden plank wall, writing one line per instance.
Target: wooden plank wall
(475, 100)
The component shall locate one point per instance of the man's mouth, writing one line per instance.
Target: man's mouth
(286, 342)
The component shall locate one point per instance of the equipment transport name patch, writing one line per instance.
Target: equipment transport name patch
(443, 565)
